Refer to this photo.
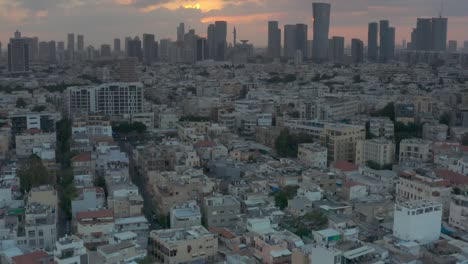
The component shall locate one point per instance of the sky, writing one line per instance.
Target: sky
(100, 21)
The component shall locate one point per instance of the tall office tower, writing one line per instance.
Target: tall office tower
(18, 54)
(289, 41)
(452, 46)
(357, 51)
(372, 42)
(164, 49)
(148, 48)
(220, 39)
(117, 46)
(156, 50)
(301, 39)
(43, 53)
(274, 40)
(80, 43)
(134, 48)
(321, 12)
(52, 51)
(211, 41)
(71, 46)
(234, 37)
(336, 49)
(127, 70)
(106, 51)
(34, 48)
(180, 32)
(190, 47)
(424, 34)
(202, 49)
(60, 51)
(127, 40)
(387, 41)
(439, 33)
(91, 53)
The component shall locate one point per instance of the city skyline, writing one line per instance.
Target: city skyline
(122, 18)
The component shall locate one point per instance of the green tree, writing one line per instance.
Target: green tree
(286, 144)
(445, 119)
(282, 196)
(127, 128)
(33, 173)
(21, 103)
(147, 260)
(39, 108)
(387, 111)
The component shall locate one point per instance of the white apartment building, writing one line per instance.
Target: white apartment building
(40, 226)
(415, 150)
(382, 127)
(458, 216)
(70, 250)
(95, 227)
(33, 138)
(419, 221)
(461, 166)
(379, 150)
(110, 99)
(313, 155)
(92, 126)
(413, 186)
(435, 132)
(185, 215)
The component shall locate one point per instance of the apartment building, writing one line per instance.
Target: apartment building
(380, 151)
(88, 199)
(123, 252)
(341, 140)
(185, 215)
(95, 227)
(40, 226)
(382, 127)
(110, 99)
(70, 249)
(415, 150)
(458, 215)
(183, 245)
(312, 155)
(220, 210)
(33, 138)
(92, 126)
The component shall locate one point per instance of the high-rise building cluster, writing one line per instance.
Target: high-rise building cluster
(430, 34)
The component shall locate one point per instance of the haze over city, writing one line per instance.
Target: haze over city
(102, 20)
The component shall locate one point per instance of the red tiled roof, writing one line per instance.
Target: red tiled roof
(82, 157)
(205, 144)
(345, 166)
(32, 131)
(94, 214)
(452, 177)
(222, 232)
(31, 258)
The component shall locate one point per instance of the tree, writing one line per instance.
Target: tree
(146, 260)
(21, 103)
(33, 173)
(465, 140)
(282, 196)
(39, 108)
(127, 128)
(287, 144)
(445, 119)
(387, 111)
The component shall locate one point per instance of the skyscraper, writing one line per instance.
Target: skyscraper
(289, 41)
(148, 48)
(164, 45)
(424, 34)
(117, 49)
(387, 41)
(211, 42)
(452, 46)
(274, 40)
(61, 51)
(202, 49)
(337, 49)
(134, 48)
(80, 43)
(357, 51)
(220, 38)
(106, 51)
(71, 46)
(190, 46)
(180, 32)
(301, 39)
(43, 54)
(52, 51)
(372, 42)
(18, 54)
(321, 13)
(439, 33)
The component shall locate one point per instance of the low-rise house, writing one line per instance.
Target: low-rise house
(220, 210)
(95, 227)
(70, 249)
(88, 199)
(185, 215)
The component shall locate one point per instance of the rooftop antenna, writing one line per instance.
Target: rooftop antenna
(441, 8)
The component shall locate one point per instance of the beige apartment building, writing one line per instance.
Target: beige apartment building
(379, 150)
(341, 140)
